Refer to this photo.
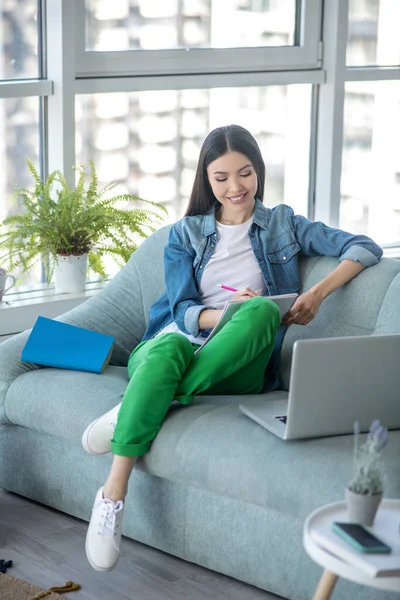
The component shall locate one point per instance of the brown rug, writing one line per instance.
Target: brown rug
(17, 589)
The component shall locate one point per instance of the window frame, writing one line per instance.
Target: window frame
(330, 124)
(25, 88)
(305, 55)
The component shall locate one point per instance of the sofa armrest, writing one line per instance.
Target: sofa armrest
(11, 366)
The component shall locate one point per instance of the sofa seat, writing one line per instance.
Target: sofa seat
(213, 446)
(210, 444)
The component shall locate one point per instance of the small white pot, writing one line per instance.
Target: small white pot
(362, 508)
(70, 274)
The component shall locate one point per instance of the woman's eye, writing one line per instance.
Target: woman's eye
(241, 175)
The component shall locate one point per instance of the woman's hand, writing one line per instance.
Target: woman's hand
(209, 317)
(304, 309)
(245, 294)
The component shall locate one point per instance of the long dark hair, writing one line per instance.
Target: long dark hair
(219, 141)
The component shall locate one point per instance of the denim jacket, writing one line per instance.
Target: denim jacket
(277, 237)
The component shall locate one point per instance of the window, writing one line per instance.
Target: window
(21, 104)
(133, 37)
(153, 25)
(370, 182)
(19, 139)
(150, 141)
(19, 39)
(373, 33)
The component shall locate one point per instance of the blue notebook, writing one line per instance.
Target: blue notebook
(55, 344)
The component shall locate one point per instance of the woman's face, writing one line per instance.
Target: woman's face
(233, 181)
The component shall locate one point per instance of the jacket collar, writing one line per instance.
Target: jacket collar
(261, 218)
(261, 215)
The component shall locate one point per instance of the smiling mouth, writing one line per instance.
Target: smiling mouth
(236, 199)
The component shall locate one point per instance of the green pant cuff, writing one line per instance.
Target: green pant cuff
(130, 449)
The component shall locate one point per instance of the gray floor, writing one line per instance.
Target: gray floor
(47, 548)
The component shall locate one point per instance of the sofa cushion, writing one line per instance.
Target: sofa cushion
(214, 446)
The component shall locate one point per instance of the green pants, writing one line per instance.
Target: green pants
(165, 368)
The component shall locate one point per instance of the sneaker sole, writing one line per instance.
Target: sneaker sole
(96, 567)
(85, 439)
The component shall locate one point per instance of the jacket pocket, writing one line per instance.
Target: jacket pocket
(285, 266)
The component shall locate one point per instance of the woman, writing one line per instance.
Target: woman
(227, 237)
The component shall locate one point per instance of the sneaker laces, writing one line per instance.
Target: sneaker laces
(108, 526)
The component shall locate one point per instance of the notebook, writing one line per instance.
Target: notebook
(55, 344)
(333, 383)
(284, 302)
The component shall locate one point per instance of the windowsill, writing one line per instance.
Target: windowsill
(19, 311)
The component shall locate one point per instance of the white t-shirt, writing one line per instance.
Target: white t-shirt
(233, 264)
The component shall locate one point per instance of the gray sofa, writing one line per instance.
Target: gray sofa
(216, 489)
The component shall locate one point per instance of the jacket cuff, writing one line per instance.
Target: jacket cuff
(361, 255)
(192, 318)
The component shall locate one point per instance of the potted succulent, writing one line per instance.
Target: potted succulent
(364, 491)
(72, 228)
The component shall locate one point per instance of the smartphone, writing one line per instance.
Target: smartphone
(361, 538)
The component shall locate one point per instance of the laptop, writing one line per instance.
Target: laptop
(333, 383)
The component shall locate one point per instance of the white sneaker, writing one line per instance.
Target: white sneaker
(98, 434)
(103, 538)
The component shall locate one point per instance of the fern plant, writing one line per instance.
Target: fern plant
(367, 477)
(57, 220)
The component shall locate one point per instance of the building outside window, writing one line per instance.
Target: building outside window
(150, 141)
(370, 183)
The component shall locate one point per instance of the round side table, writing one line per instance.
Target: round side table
(386, 525)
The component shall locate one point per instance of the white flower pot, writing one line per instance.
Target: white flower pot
(362, 508)
(70, 274)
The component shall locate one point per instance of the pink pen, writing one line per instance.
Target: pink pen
(226, 287)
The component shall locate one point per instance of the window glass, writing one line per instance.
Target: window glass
(19, 140)
(370, 183)
(373, 34)
(169, 24)
(19, 39)
(150, 141)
